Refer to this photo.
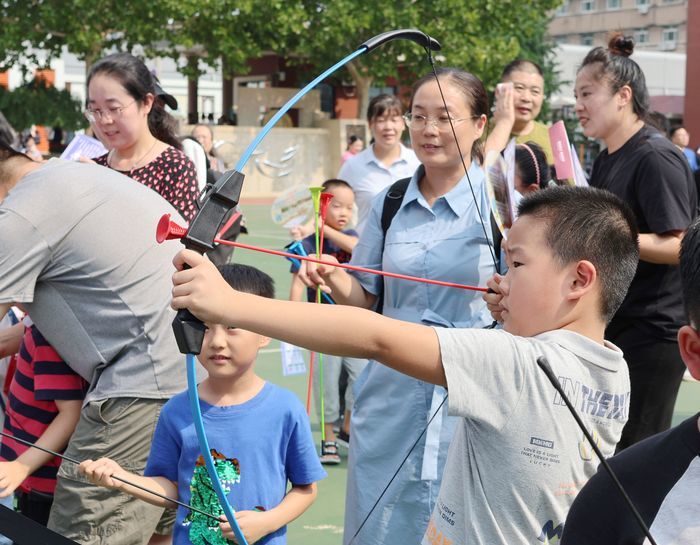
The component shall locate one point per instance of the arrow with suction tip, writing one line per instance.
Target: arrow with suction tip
(168, 230)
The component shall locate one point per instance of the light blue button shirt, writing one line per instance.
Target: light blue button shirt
(445, 242)
(367, 176)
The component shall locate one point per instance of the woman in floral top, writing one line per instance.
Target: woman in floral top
(138, 131)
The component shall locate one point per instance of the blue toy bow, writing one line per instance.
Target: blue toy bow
(215, 204)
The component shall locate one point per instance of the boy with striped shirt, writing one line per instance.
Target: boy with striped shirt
(45, 398)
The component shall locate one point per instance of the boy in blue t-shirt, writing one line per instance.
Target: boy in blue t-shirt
(260, 434)
(339, 243)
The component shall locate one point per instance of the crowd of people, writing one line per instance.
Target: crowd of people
(455, 434)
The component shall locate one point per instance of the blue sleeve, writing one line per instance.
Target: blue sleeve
(370, 248)
(309, 244)
(163, 460)
(302, 463)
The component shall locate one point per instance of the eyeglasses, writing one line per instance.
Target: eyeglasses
(93, 115)
(418, 122)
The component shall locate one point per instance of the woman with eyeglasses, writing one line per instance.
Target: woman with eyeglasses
(440, 231)
(138, 132)
(384, 161)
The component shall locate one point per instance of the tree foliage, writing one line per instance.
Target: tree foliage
(480, 36)
(227, 33)
(37, 30)
(38, 103)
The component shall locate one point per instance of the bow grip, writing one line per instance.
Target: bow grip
(415, 35)
(216, 203)
(189, 332)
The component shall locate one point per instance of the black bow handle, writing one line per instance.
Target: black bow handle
(413, 34)
(214, 206)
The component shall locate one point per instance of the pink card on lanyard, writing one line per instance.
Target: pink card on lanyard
(561, 149)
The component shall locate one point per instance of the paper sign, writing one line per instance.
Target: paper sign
(563, 163)
(293, 362)
(500, 191)
(83, 146)
(580, 178)
(293, 207)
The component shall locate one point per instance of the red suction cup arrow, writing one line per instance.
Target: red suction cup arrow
(168, 230)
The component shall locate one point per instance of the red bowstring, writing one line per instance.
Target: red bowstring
(348, 266)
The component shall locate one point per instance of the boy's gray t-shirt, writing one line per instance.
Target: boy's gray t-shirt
(78, 249)
(518, 458)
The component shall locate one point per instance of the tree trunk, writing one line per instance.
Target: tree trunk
(226, 92)
(192, 92)
(90, 59)
(362, 85)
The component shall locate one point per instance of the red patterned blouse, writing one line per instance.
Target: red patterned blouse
(172, 175)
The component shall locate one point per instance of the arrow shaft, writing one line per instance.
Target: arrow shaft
(350, 267)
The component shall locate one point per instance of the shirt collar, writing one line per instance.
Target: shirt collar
(459, 198)
(372, 158)
(607, 355)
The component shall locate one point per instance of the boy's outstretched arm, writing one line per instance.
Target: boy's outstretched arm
(100, 472)
(55, 437)
(412, 349)
(257, 524)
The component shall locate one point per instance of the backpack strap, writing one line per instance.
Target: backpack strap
(392, 203)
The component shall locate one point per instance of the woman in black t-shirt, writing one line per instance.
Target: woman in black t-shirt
(652, 177)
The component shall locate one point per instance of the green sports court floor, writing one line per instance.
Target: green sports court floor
(322, 524)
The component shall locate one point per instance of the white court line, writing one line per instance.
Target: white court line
(334, 529)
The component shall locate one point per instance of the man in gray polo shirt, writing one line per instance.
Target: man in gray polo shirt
(78, 251)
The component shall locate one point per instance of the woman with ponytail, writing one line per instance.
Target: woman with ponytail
(648, 172)
(138, 132)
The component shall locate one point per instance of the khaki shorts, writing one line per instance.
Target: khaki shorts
(117, 428)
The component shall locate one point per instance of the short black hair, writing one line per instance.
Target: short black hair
(584, 223)
(521, 65)
(384, 105)
(335, 182)
(690, 272)
(248, 279)
(675, 129)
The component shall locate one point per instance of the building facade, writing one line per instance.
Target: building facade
(655, 25)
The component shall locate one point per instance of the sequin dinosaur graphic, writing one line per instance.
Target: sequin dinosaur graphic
(202, 529)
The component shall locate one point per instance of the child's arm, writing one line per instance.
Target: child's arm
(257, 524)
(10, 339)
(296, 292)
(344, 241)
(55, 438)
(100, 472)
(412, 349)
